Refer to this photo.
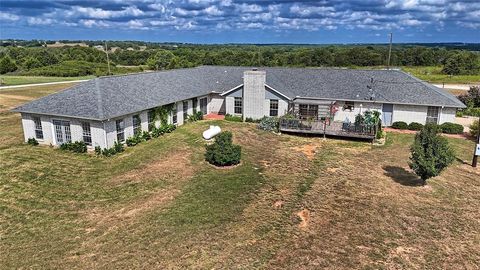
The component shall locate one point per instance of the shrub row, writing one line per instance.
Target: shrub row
(447, 127)
(77, 147)
(233, 118)
(223, 152)
(108, 152)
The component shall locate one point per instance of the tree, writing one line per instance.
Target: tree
(161, 60)
(7, 65)
(430, 153)
(472, 97)
(32, 62)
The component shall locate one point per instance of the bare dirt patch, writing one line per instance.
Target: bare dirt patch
(304, 216)
(174, 165)
(309, 150)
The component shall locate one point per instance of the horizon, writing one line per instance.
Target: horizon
(243, 21)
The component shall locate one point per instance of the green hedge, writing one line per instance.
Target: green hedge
(269, 123)
(77, 147)
(233, 118)
(399, 125)
(451, 128)
(415, 126)
(223, 152)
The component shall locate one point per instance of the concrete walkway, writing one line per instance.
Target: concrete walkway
(39, 84)
(465, 87)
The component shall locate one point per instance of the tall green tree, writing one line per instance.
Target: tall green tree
(161, 60)
(7, 65)
(430, 153)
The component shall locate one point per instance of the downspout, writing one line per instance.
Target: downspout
(104, 135)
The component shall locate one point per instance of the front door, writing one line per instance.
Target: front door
(62, 131)
(387, 113)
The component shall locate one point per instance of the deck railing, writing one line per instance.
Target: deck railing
(334, 128)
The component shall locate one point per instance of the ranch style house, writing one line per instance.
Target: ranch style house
(114, 108)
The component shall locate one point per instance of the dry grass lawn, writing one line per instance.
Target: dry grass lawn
(293, 203)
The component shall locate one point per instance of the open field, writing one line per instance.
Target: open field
(434, 75)
(293, 203)
(17, 80)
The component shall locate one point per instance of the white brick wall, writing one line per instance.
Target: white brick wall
(216, 104)
(448, 115)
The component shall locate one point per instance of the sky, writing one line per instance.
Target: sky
(243, 21)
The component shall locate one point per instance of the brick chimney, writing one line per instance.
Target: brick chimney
(254, 93)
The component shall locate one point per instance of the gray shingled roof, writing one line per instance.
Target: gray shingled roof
(109, 97)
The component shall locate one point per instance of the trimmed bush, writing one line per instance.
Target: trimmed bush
(146, 135)
(77, 147)
(430, 153)
(233, 118)
(451, 128)
(223, 152)
(474, 128)
(269, 124)
(32, 141)
(399, 125)
(415, 126)
(157, 132)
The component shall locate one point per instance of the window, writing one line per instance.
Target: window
(195, 104)
(273, 107)
(151, 119)
(308, 111)
(203, 105)
(185, 111)
(349, 106)
(38, 128)
(237, 105)
(120, 126)
(137, 124)
(87, 134)
(62, 131)
(432, 115)
(174, 114)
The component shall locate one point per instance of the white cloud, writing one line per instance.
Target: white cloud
(40, 21)
(4, 16)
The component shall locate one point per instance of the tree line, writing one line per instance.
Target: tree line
(32, 60)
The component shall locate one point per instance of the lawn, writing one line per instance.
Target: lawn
(433, 74)
(293, 203)
(17, 80)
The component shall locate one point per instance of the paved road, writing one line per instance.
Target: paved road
(454, 86)
(38, 84)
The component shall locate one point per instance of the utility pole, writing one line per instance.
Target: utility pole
(108, 59)
(477, 145)
(389, 51)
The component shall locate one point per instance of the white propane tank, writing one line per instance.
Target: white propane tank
(211, 132)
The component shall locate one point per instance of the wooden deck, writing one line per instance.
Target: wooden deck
(318, 127)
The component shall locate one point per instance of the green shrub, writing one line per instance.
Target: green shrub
(223, 152)
(157, 132)
(98, 150)
(269, 124)
(132, 141)
(77, 147)
(146, 135)
(474, 128)
(430, 153)
(451, 128)
(399, 125)
(118, 147)
(32, 141)
(195, 117)
(251, 120)
(233, 118)
(459, 114)
(415, 126)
